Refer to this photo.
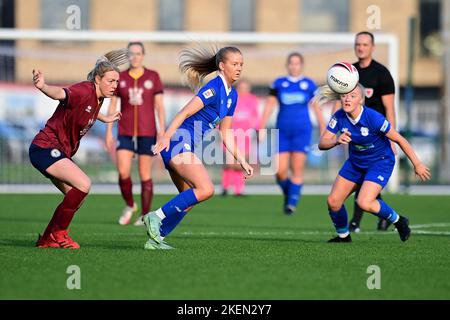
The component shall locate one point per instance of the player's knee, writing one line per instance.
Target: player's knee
(334, 203)
(85, 185)
(364, 203)
(205, 192)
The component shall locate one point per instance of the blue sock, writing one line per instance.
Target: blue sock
(340, 220)
(294, 193)
(386, 212)
(169, 223)
(180, 203)
(284, 185)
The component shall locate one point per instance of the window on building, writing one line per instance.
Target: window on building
(171, 15)
(65, 14)
(324, 16)
(429, 27)
(242, 15)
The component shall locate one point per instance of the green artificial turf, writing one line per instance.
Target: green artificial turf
(226, 248)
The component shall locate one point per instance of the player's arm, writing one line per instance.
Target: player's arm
(56, 93)
(160, 113)
(227, 135)
(421, 170)
(329, 140)
(388, 102)
(188, 110)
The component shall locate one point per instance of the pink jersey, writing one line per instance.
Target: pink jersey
(246, 115)
(137, 97)
(71, 120)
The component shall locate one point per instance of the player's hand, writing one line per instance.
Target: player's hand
(422, 171)
(116, 116)
(38, 79)
(162, 143)
(344, 138)
(248, 170)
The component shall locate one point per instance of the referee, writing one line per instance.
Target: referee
(380, 96)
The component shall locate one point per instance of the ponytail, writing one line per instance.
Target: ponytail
(197, 63)
(324, 95)
(109, 62)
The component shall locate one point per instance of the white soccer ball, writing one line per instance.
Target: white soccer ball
(342, 77)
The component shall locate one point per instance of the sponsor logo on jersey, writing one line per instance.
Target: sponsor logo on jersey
(360, 147)
(135, 96)
(293, 98)
(384, 126)
(88, 109)
(229, 101)
(364, 131)
(55, 153)
(208, 93)
(368, 92)
(304, 85)
(148, 84)
(332, 123)
(87, 127)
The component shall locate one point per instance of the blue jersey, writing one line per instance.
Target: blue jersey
(368, 133)
(218, 103)
(293, 96)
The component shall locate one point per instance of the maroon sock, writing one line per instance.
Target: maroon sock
(146, 195)
(65, 211)
(126, 188)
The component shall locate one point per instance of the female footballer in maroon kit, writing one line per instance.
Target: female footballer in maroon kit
(141, 94)
(53, 147)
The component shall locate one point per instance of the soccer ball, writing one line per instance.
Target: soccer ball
(342, 77)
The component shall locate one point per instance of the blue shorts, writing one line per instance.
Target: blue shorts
(143, 145)
(42, 158)
(177, 146)
(378, 172)
(294, 140)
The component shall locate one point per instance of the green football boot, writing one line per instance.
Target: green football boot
(152, 223)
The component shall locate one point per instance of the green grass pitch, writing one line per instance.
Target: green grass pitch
(226, 248)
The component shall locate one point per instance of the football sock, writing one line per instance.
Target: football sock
(180, 203)
(284, 185)
(65, 211)
(294, 193)
(168, 224)
(126, 188)
(357, 211)
(239, 182)
(340, 221)
(387, 212)
(226, 178)
(146, 195)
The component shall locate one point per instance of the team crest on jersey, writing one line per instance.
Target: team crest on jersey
(285, 84)
(123, 84)
(364, 131)
(368, 92)
(55, 153)
(148, 84)
(229, 101)
(208, 93)
(332, 123)
(303, 85)
(88, 109)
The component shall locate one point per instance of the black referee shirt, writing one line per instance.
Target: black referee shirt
(378, 82)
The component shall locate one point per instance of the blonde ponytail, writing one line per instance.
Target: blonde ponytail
(111, 61)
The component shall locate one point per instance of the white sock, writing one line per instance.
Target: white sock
(160, 213)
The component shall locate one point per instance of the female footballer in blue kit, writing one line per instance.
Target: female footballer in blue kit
(293, 94)
(370, 163)
(214, 104)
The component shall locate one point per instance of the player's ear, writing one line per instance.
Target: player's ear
(97, 79)
(221, 66)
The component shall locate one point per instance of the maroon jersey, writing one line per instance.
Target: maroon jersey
(73, 117)
(137, 103)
